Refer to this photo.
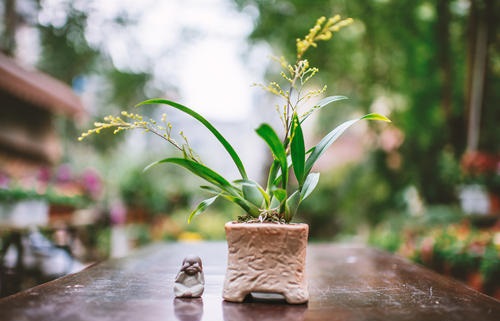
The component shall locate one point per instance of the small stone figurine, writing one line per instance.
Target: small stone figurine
(190, 282)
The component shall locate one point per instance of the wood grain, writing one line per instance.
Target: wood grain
(345, 283)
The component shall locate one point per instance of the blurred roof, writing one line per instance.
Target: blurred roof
(38, 89)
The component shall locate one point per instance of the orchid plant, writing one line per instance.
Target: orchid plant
(280, 198)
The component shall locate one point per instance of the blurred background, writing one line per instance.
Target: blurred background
(426, 186)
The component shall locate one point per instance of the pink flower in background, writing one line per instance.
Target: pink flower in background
(45, 175)
(4, 180)
(61, 181)
(91, 183)
(64, 174)
(117, 213)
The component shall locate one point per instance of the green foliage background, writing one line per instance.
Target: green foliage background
(415, 55)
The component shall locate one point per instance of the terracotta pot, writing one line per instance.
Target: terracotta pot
(266, 258)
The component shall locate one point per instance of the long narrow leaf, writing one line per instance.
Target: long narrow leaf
(280, 195)
(277, 180)
(332, 136)
(309, 185)
(229, 192)
(199, 170)
(263, 193)
(201, 207)
(273, 174)
(271, 138)
(298, 150)
(244, 204)
(322, 103)
(375, 116)
(236, 159)
(252, 194)
(291, 206)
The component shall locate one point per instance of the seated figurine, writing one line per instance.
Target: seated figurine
(189, 282)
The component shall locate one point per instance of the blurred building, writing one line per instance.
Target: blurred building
(29, 104)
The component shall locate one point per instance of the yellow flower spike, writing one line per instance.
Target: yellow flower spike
(333, 20)
(283, 62)
(320, 32)
(325, 36)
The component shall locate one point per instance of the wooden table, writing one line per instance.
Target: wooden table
(345, 282)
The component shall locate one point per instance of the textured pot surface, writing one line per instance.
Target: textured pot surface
(268, 258)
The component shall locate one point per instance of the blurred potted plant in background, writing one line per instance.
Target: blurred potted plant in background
(481, 175)
(29, 200)
(280, 247)
(446, 241)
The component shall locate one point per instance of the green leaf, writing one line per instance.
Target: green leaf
(330, 99)
(298, 150)
(275, 203)
(199, 170)
(375, 116)
(211, 189)
(273, 174)
(291, 206)
(278, 150)
(244, 204)
(236, 159)
(332, 136)
(322, 103)
(309, 185)
(252, 194)
(280, 194)
(201, 207)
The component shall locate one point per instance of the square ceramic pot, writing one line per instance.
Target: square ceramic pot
(266, 258)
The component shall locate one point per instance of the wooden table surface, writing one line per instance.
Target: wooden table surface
(345, 283)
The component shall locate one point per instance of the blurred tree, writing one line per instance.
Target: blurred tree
(414, 59)
(10, 17)
(66, 54)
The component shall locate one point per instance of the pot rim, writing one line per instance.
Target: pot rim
(234, 224)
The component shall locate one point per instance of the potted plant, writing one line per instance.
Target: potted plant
(266, 251)
(480, 193)
(36, 199)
